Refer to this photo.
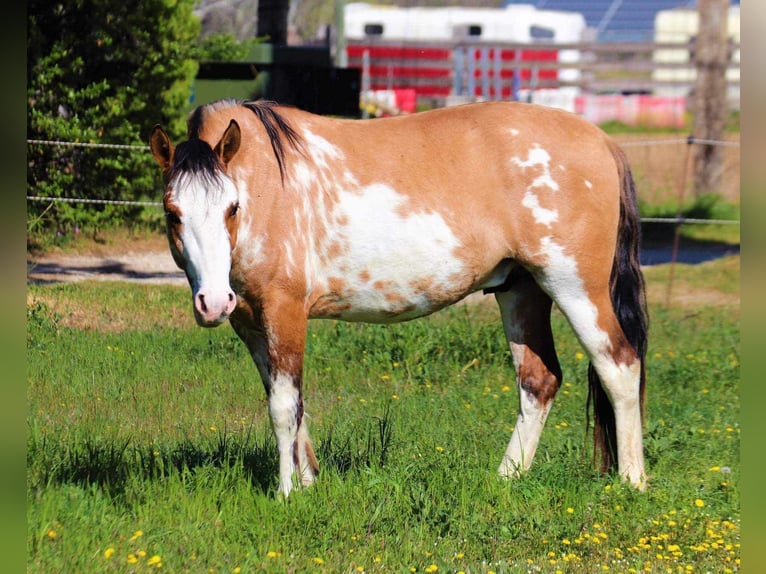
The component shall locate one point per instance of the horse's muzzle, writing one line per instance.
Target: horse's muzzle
(212, 309)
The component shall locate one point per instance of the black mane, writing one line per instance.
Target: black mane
(278, 129)
(195, 157)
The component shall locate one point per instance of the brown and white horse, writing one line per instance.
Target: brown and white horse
(278, 216)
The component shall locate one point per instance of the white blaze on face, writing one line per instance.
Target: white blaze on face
(206, 244)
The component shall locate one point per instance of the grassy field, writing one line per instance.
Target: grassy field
(149, 445)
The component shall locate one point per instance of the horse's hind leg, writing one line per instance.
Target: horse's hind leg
(587, 305)
(525, 310)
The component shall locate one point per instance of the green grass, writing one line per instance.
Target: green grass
(148, 443)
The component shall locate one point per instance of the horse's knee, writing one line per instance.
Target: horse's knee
(538, 380)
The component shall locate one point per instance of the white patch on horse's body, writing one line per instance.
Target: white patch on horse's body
(562, 280)
(250, 252)
(303, 175)
(588, 184)
(322, 152)
(514, 132)
(379, 240)
(538, 158)
(542, 215)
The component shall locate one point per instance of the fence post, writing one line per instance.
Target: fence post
(457, 71)
(710, 60)
(365, 81)
(498, 61)
(485, 73)
(471, 72)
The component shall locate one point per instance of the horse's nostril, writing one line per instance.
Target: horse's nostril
(231, 296)
(202, 305)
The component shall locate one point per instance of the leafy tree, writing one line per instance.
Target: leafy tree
(224, 48)
(103, 71)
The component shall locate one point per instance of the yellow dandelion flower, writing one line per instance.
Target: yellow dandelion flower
(141, 553)
(108, 553)
(432, 568)
(237, 570)
(579, 356)
(272, 554)
(439, 449)
(154, 560)
(317, 560)
(699, 503)
(132, 559)
(570, 510)
(360, 568)
(714, 468)
(51, 534)
(459, 555)
(137, 534)
(395, 397)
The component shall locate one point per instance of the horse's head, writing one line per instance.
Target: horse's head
(201, 210)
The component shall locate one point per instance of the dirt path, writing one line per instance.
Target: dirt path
(153, 266)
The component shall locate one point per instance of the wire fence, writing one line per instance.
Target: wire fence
(690, 140)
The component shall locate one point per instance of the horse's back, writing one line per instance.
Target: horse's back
(504, 174)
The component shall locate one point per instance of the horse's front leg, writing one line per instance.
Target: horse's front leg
(277, 350)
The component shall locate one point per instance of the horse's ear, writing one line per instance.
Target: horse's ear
(162, 149)
(229, 144)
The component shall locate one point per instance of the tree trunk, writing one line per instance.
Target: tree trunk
(710, 109)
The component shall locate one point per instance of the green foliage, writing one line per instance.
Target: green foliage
(224, 48)
(102, 71)
(706, 206)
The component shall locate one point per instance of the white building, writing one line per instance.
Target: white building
(515, 23)
(681, 25)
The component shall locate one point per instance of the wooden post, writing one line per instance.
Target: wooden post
(710, 106)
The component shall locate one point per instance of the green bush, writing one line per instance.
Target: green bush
(102, 71)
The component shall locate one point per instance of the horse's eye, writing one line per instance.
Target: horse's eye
(173, 218)
(234, 209)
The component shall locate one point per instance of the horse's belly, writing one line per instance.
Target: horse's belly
(391, 293)
(388, 261)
